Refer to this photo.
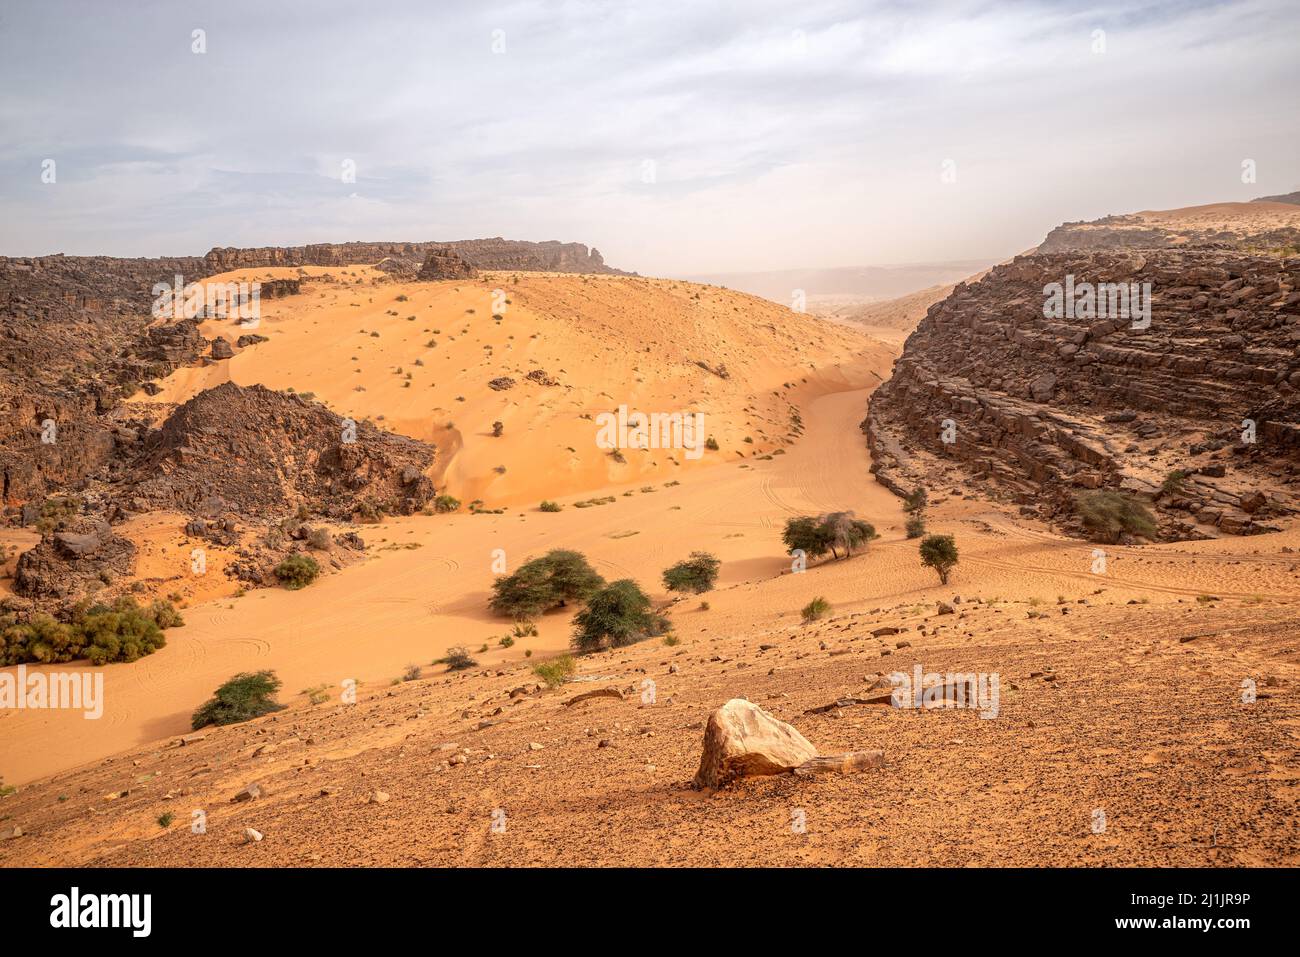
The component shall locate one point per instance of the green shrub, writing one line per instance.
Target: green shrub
(697, 574)
(817, 608)
(1173, 483)
(1109, 514)
(619, 614)
(556, 671)
(41, 639)
(446, 503)
(916, 500)
(55, 511)
(123, 632)
(549, 506)
(915, 525)
(940, 553)
(807, 535)
(458, 659)
(847, 532)
(297, 571)
(165, 615)
(552, 581)
(247, 695)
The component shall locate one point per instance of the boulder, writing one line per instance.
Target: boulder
(743, 740)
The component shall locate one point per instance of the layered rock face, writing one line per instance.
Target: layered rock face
(76, 335)
(68, 560)
(1197, 411)
(444, 263)
(487, 254)
(261, 453)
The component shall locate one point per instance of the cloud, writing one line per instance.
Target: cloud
(781, 135)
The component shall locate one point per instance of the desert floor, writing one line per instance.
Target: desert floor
(1122, 692)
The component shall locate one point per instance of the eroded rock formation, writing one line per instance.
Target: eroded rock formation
(443, 262)
(261, 453)
(491, 254)
(1197, 411)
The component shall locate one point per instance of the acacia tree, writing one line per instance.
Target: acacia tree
(847, 532)
(940, 553)
(552, 581)
(697, 574)
(806, 534)
(619, 614)
(827, 533)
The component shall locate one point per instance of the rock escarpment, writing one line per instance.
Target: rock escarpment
(487, 254)
(263, 454)
(444, 263)
(76, 336)
(1197, 412)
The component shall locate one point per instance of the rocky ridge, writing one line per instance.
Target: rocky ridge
(1198, 413)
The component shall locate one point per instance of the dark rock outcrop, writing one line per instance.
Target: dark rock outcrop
(72, 558)
(1036, 409)
(443, 262)
(489, 254)
(261, 453)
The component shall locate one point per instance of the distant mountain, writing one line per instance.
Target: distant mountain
(860, 283)
(1284, 198)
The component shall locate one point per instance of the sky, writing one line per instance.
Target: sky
(678, 138)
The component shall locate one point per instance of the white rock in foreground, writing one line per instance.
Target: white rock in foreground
(743, 740)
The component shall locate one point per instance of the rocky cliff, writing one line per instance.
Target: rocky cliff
(488, 254)
(259, 453)
(1192, 405)
(76, 335)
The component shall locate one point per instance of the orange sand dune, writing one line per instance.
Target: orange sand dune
(418, 358)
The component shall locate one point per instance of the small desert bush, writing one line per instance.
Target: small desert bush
(297, 571)
(412, 673)
(318, 694)
(458, 658)
(817, 608)
(556, 671)
(1109, 515)
(915, 525)
(549, 506)
(320, 539)
(446, 503)
(697, 574)
(247, 695)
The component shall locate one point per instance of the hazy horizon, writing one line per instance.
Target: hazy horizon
(676, 140)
